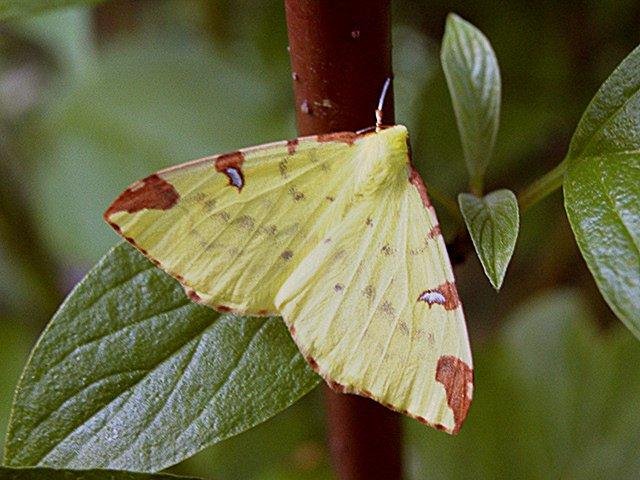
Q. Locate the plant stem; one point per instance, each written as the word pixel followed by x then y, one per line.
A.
pixel 340 57
pixel 476 185
pixel 542 187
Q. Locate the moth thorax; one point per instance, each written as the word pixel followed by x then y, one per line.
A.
pixel 379 167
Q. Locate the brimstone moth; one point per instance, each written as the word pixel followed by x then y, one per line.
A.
pixel 336 234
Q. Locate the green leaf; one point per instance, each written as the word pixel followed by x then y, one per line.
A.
pixel 493 222
pixel 14 8
pixel 611 122
pixel 51 474
pixel 473 76
pixel 131 375
pixel 557 397
pixel 602 199
pixel 602 190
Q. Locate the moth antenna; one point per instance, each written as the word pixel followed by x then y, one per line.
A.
pixel 383 95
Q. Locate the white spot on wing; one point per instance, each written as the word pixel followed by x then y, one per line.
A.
pixel 432 296
pixel 234 176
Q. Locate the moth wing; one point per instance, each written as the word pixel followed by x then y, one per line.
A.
pixel 231 228
pixel 375 310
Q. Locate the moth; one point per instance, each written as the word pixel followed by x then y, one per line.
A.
pixel 334 233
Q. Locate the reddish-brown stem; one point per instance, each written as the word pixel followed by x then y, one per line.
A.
pixel 340 58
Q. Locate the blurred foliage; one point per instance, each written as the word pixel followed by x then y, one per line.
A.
pixel 91 100
pixel 555 398
pixel 11 8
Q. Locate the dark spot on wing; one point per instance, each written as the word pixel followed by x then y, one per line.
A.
pixel 387 308
pixel 404 328
pixel 286 255
pixel 193 296
pixel 445 295
pixel 152 193
pixel 292 329
pixel 231 165
pixel 387 250
pixel 369 291
pixel 223 308
pixel 338 287
pixel 133 242
pixel 336 387
pixel 177 276
pixel 292 145
pixel 312 363
pixel 224 216
pixel 283 168
pixel 369 222
pixel 296 194
pixel 270 230
pixel 457 378
pixel 245 221
pixel 329 198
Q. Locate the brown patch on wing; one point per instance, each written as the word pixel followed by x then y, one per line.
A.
pixel 133 242
pixel 231 162
pixel 435 232
pixel 336 387
pixel 416 180
pixel 447 290
pixel 312 363
pixel 456 376
pixel 292 145
pixel 346 137
pixel 193 296
pixel 153 193
pixel 223 309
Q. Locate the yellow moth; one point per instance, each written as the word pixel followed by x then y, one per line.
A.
pixel 336 234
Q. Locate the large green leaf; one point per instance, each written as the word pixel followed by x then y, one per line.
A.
pixel 473 76
pixel 493 222
pixel 602 189
pixel 556 398
pixel 13 8
pixel 51 474
pixel 132 375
